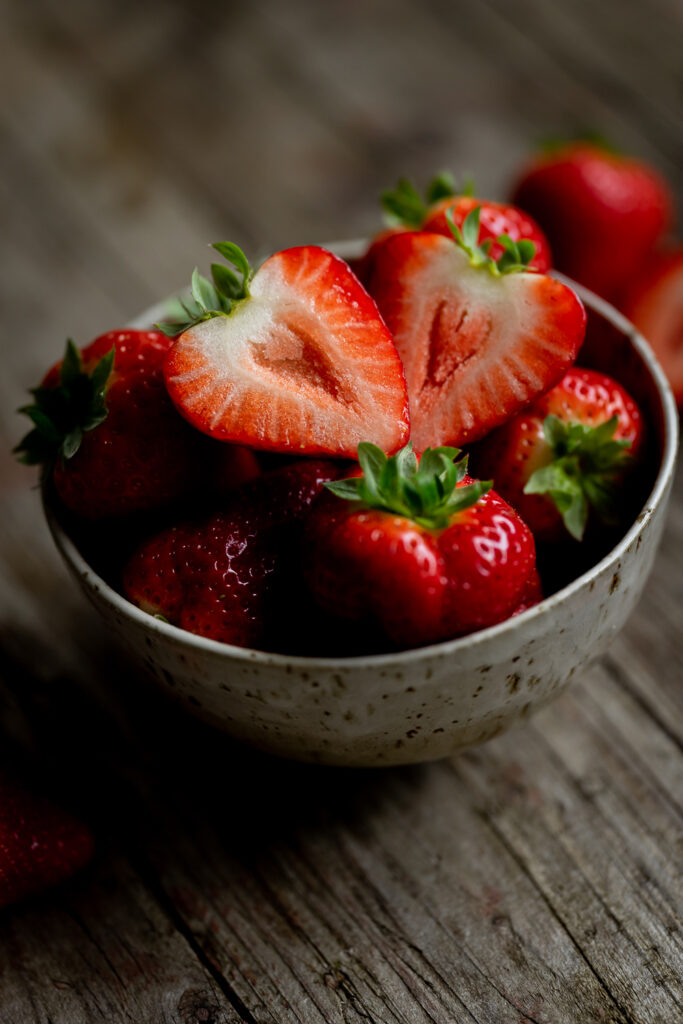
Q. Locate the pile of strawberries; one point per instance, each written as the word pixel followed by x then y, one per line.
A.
pixel 288 456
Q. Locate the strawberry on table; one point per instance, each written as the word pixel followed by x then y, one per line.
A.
pixel 479 338
pixel 567 455
pixel 653 301
pixel 418 548
pixel 218 576
pixel 292 358
pixel 40 844
pixel 602 212
pixel 106 428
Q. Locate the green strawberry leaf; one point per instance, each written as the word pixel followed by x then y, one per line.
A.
pixel 425 492
pixel 585 472
pixel 213 298
pixel 404 206
pixel 61 415
pixel 514 259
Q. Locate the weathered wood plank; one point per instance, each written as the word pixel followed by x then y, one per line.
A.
pixel 101 950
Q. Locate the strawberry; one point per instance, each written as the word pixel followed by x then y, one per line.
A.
pixel 419 548
pixel 495 219
pixel 218 576
pixel 565 454
pixel 40 845
pixel 406 210
pixel 654 303
pixel 293 358
pixel 532 593
pixel 479 338
pixel 104 424
pixel 602 212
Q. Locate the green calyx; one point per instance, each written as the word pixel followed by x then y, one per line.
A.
pixel 514 259
pixel 216 297
pixel 404 206
pixel 425 492
pixel 585 472
pixel 62 415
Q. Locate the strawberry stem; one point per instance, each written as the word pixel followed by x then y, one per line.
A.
pixel 217 297
pixel 424 491
pixel 515 258
pixel 404 206
pixel 585 471
pixel 61 415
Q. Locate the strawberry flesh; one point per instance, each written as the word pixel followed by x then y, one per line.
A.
pixel 475 348
pixel 304 364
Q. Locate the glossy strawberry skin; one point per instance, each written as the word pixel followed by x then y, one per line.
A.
pixel 653 301
pixel 303 365
pixel 40 845
pixel 143 455
pixel 494 219
pixel 601 212
pixel 420 586
pixel 217 576
pixel 511 454
pixel 475 348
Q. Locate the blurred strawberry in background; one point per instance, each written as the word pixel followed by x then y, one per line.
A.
pixel 606 216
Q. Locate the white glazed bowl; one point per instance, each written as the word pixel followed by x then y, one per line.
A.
pixel 431 702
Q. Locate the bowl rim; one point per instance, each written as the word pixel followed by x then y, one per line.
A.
pixel 444 648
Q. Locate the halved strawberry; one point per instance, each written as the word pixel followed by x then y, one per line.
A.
pixel 292 358
pixel 479 338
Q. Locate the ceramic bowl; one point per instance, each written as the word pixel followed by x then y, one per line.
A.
pixel 422 704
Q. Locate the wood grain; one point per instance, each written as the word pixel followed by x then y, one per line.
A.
pixel 536 879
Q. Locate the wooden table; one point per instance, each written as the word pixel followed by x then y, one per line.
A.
pixel 535 879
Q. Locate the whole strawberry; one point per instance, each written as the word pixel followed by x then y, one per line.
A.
pixel 105 426
pixel 220 576
pixel 40 845
pixel 479 337
pixel 567 455
pixel 291 358
pixel 653 301
pixel 602 212
pixel 406 210
pixel 420 549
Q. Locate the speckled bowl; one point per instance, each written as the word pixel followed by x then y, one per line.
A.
pixel 422 704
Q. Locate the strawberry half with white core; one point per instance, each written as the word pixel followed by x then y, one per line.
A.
pixel 292 358
pixel 567 455
pixel 417 547
pixel 479 338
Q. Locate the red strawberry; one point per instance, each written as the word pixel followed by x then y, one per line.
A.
pixel 425 551
pixel 567 452
pixel 217 576
pixel 294 358
pixel 103 420
pixel 406 210
pixel 532 594
pixel 479 339
pixel 40 845
pixel 495 219
pixel 601 211
pixel 653 301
